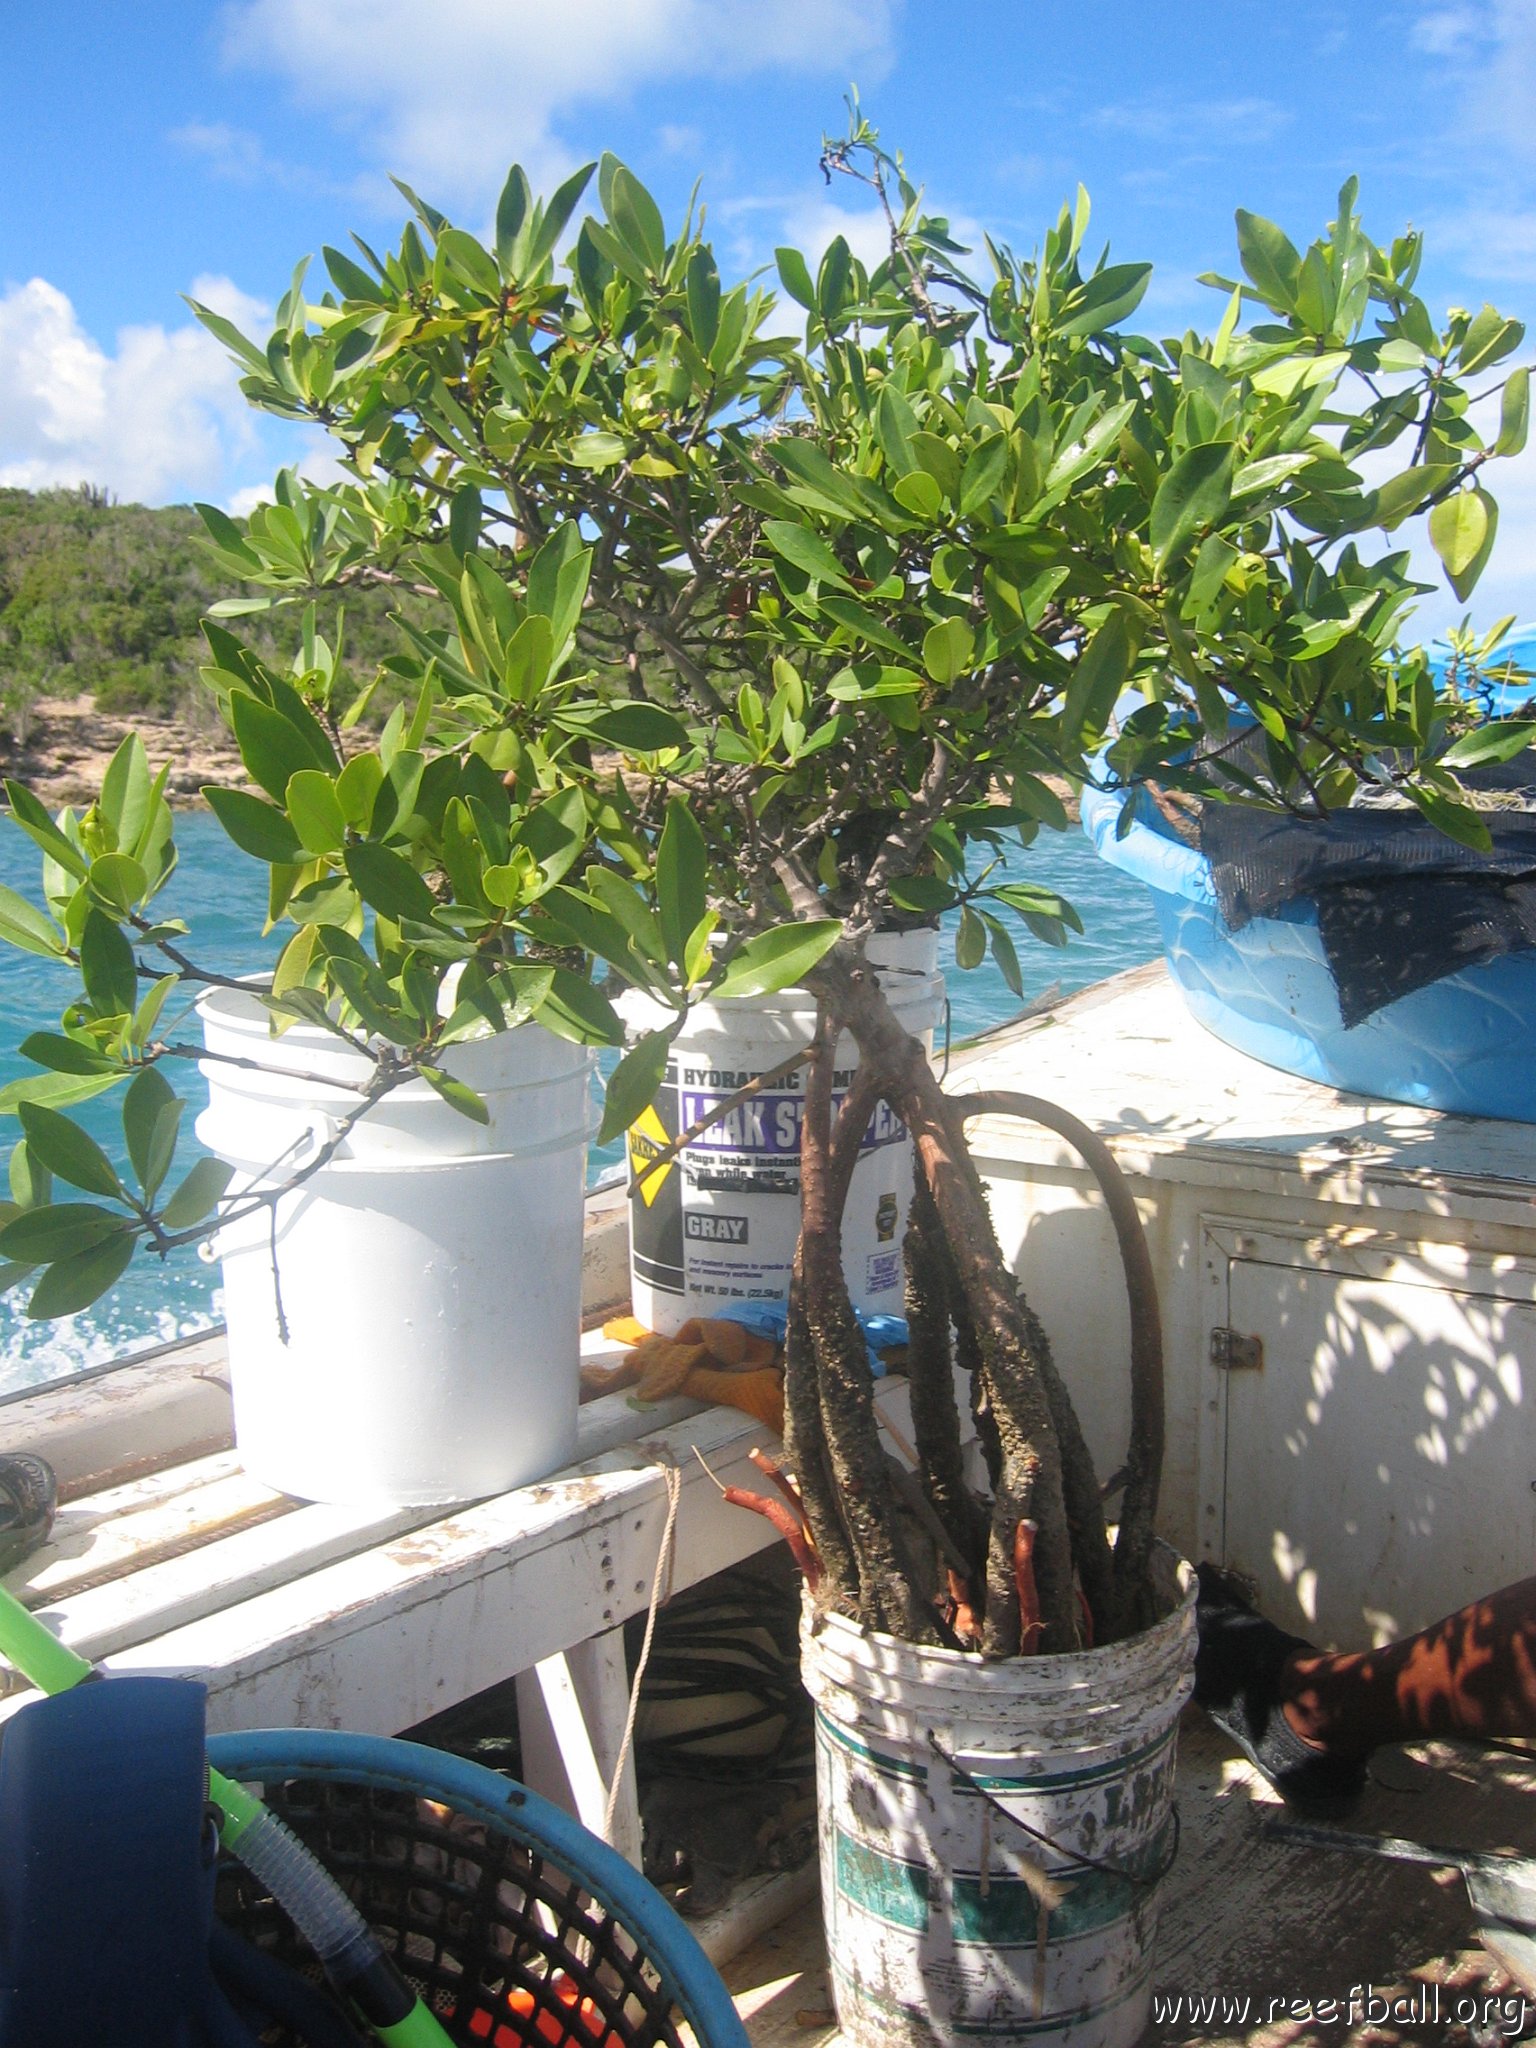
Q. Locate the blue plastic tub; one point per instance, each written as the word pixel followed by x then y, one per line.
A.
pixel 1518 646
pixel 1464 1044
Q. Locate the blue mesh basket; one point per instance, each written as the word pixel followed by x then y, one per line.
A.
pixel 515 1924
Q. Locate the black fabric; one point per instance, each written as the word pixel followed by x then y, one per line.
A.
pixel 1399 904
pixel 1240 1682
pixel 1384 939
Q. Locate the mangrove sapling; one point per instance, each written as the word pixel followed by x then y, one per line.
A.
pixel 732 643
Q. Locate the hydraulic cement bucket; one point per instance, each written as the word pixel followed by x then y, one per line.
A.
pixel 717 1227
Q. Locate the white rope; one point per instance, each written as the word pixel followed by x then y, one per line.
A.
pixel 674 1480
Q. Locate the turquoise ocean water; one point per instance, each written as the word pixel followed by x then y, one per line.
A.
pixel 222 896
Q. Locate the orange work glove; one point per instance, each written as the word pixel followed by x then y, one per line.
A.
pixel 759 1394
pixel 711 1358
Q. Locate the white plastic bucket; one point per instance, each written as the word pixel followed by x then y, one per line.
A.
pixel 428 1277
pixel 932 1935
pixel 718 1227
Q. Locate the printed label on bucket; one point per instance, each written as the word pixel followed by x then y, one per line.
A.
pixel 928 1914
pixel 718 1223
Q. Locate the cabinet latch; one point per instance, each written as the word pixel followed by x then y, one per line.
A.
pixel 1231 1351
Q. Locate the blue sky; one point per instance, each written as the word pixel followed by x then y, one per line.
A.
pixel 154 150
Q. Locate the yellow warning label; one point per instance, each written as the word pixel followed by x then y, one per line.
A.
pixel 648 1138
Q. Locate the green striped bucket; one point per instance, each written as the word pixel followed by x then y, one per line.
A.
pixel 993 1835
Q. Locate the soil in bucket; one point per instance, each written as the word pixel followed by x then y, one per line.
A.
pixel 716 1227
pixel 993 1834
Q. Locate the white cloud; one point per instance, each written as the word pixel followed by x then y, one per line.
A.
pixel 1445 31
pixel 1194 123
pixel 752 228
pixel 233 153
pixel 812 225
pixel 1498 244
pixel 1489 53
pixel 156 417
pixel 238 156
pixel 1485 70
pixel 449 94
pixel 242 502
pixel 222 295
pixel 311 452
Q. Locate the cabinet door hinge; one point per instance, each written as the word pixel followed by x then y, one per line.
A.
pixel 1231 1351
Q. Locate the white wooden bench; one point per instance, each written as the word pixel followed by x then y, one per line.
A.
pixel 301 1615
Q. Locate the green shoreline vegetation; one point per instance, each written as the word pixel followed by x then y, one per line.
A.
pixel 106 599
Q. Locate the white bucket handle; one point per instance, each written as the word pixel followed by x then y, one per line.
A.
pixel 319 1129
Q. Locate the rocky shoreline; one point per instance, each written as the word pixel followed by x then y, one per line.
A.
pixel 69 743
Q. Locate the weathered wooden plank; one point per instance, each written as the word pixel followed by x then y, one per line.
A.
pixel 77 1520
pixel 126 1498
pixel 572 1710
pixel 115 1542
pixel 386 1638
pixel 169 1592
pixel 95 1427
pixel 416 1622
pixel 115 1549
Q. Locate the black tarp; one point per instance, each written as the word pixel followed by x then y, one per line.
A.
pixel 1399 904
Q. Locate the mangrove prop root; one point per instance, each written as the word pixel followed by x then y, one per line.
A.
pixel 887 1592
pixel 788 1524
pixel 930 1380
pixel 804 1434
pixel 783 1517
pixel 999 1607
pixel 780 1478
pixel 1031 1474
pixel 910 1487
pixel 1025 1589
pixel 1041 1470
pixel 859 1105
pixel 1079 1486
pixel 805 1447
pixel 968 1358
pixel 962 1617
pixel 1144 1462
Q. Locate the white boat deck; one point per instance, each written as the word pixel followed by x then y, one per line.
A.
pixel 1127 1058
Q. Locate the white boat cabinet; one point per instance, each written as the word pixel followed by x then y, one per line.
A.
pixel 1348 1294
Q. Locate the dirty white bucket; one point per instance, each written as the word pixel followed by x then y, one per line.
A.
pixel 718 1226
pixel 409 1331
pixel 922 1756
